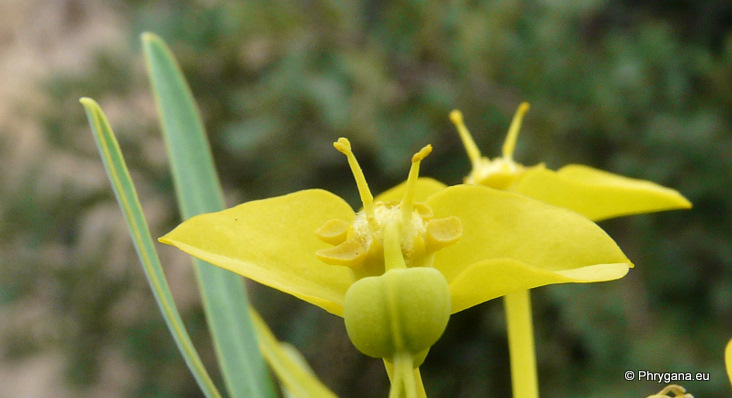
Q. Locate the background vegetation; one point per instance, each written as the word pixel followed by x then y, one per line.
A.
pixel 642 88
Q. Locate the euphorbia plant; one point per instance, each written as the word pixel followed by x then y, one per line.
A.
pixel 394 270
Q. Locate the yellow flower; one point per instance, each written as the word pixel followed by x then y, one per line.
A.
pixel 594 193
pixel 415 254
pixel 508 242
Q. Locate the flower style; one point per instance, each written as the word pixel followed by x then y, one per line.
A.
pixel 597 194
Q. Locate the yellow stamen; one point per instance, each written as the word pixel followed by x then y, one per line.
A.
pixel 513 131
pixel 408 200
pixel 344 146
pixel 473 152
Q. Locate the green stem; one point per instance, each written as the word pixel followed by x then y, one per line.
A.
pixel 521 345
pixel 415 373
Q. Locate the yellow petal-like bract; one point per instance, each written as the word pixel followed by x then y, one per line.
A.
pixel 597 194
pixel 511 242
pixel 273 242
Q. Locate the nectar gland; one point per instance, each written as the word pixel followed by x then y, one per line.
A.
pixel 501 172
pixel 386 235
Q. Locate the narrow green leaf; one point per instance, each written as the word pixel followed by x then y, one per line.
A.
pixel 291 368
pixel 199 191
pixel 128 201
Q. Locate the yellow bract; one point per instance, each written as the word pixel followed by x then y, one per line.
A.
pixel 273 242
pixel 512 243
pixel 597 194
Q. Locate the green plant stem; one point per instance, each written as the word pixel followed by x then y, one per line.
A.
pixel 421 393
pixel 524 379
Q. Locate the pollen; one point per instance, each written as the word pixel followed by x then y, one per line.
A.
pixel 386 213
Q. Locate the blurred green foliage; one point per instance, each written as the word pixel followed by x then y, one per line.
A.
pixel 640 88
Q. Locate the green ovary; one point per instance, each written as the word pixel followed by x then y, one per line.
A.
pixel 401 311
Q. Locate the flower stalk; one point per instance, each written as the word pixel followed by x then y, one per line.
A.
pixel 524 379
